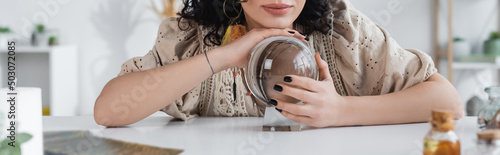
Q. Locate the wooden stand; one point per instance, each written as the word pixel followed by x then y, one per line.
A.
pixel 437 55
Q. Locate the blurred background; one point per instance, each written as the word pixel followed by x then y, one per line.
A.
pixel 71 49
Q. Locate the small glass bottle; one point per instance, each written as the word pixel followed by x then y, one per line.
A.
pixel 442 139
pixel 487 115
pixel 488 143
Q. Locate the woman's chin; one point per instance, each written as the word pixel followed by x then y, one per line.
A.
pixel 278 26
pixel 278 23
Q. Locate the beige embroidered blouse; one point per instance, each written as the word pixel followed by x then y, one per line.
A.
pixel 363 60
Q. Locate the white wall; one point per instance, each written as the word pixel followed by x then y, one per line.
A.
pixel 108 32
pixel 408 21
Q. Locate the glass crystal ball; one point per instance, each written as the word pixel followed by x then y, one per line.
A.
pixel 273 59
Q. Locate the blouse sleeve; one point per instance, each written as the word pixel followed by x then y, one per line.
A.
pixel 369 60
pixel 172 45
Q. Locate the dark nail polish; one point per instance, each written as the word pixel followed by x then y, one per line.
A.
pixel 288 79
pixel 278 88
pixel 307 39
pixel 279 110
pixel 292 32
pixel 303 34
pixel 273 102
pixel 321 56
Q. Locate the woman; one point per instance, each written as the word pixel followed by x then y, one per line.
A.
pixel 366 78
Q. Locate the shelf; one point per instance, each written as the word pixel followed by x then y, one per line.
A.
pixel 474 65
pixel 30 49
pixel 62 68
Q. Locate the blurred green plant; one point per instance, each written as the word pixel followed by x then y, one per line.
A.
pixel 53 40
pixel 4 30
pixel 457 39
pixel 494 35
pixel 7 149
pixel 39 28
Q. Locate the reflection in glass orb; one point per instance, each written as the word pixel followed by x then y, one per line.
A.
pixel 272 60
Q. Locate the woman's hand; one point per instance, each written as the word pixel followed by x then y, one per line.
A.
pixel 322 104
pixel 238 51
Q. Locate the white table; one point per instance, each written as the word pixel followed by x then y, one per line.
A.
pixel 244 136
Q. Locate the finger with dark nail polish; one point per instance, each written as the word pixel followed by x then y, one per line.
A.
pixel 307 39
pixel 288 79
pixel 273 102
pixel 278 88
pixel 291 32
pixel 279 110
pixel 303 34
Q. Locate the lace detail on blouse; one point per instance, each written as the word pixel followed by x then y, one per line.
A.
pixel 224 98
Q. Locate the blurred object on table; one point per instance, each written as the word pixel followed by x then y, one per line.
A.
pixel 487 116
pixel 70 142
pixel 488 143
pixel 442 139
pixel 474 105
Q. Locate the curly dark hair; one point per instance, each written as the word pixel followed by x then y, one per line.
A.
pixel 209 13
